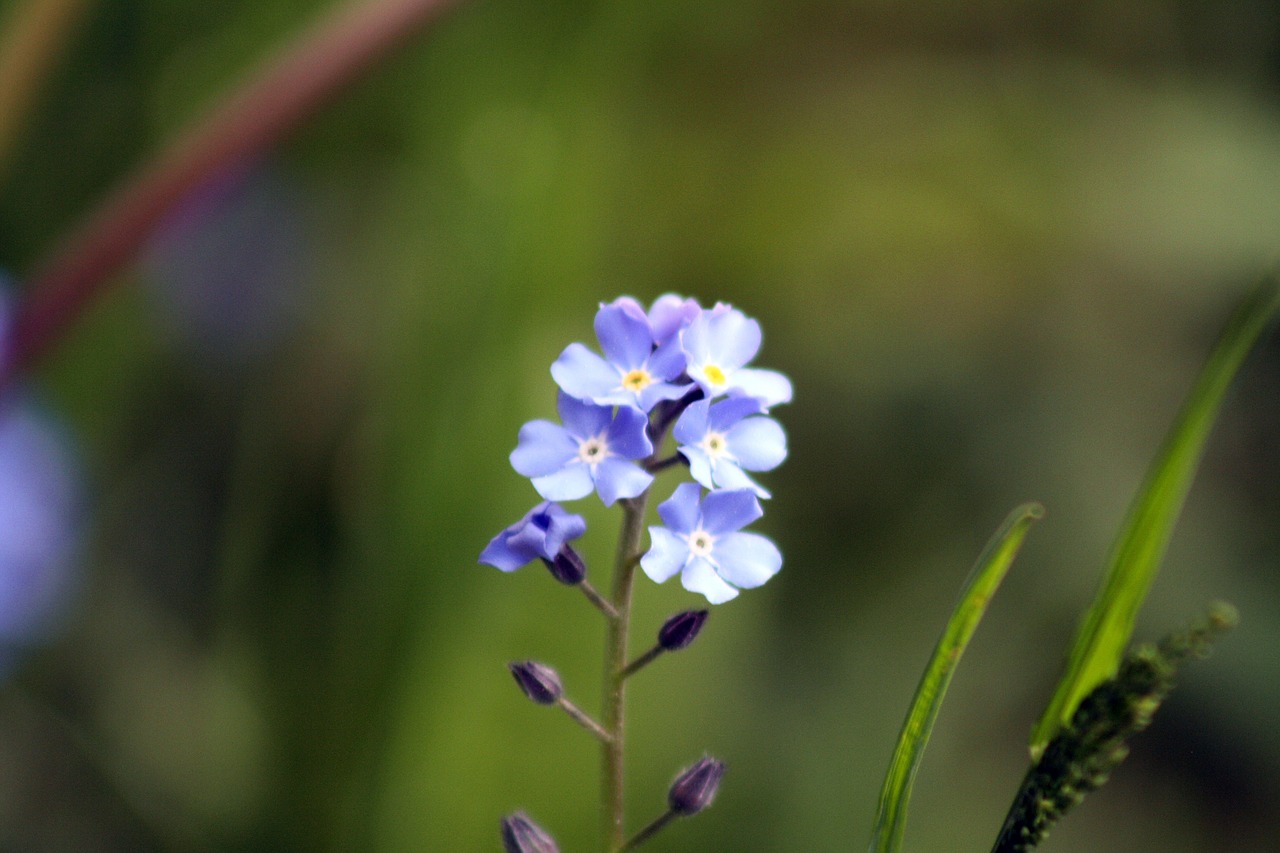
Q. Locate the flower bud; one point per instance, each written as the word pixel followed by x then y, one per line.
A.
pixel 521 835
pixel 538 681
pixel 695 787
pixel 568 567
pixel 681 630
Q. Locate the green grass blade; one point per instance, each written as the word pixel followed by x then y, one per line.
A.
pixel 1107 626
pixel 988 572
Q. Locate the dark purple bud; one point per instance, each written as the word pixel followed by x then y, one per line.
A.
pixel 695 787
pixel 521 835
pixel 568 567
pixel 538 681
pixel 681 630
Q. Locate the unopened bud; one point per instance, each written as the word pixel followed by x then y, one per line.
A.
pixel 681 630
pixel 568 567
pixel 538 681
pixel 695 787
pixel 521 835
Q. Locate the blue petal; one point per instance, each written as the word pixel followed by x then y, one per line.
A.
pixel 565 526
pixel 528 539
pixel 680 511
pixel 626 340
pixel 500 555
pixel 631 306
pixel 726 413
pixel 582 374
pixel 567 484
pixel 543 447
pixel 768 386
pixel 730 476
pixel 618 479
pixel 696 341
pixel 699 577
pixel 544 531
pixel 734 339
pixel 758 444
pixel 667 554
pixel 727 511
pixel 582 419
pixel 667 361
pixel 693 424
pixel 747 560
pixel 699 465
pixel 628 436
pixel 659 391
pixel 669 313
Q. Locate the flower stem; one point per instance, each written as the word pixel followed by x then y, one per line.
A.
pixel 654 466
pixel 642 661
pixel 583 719
pixel 650 831
pixel 601 603
pixel 303 77
pixel 615 658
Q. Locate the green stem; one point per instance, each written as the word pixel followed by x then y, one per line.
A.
pixel 615 659
pixel 581 717
pixel 642 661
pixel 651 830
pixel 600 602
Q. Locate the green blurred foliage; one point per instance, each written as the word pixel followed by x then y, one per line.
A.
pixel 991 243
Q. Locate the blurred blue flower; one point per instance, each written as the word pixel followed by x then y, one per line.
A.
pixel 634 372
pixel 40 501
pixel 701 540
pixel 591 451
pixel 542 532
pixel 718 344
pixel 723 440
pixel 230 263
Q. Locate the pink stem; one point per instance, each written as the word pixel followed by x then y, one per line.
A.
pixel 247 122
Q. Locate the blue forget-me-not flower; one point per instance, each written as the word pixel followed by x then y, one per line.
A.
pixel 592 451
pixel 541 534
pixel 702 541
pixel 718 344
pixel 724 439
pixel 635 370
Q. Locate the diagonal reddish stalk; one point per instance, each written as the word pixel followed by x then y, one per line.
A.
pixel 251 119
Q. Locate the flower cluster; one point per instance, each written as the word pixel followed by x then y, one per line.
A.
pixel 676 367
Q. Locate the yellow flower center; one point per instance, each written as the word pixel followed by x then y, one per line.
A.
pixel 714 374
pixel 637 380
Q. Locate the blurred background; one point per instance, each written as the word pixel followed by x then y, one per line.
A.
pixel 991 242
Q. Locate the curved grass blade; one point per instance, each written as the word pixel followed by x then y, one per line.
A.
pixel 1107 626
pixel 988 572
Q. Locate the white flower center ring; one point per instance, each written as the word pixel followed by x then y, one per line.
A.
pixel 701 544
pixel 592 451
pixel 715 444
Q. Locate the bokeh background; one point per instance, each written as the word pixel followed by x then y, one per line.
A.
pixel 991 242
